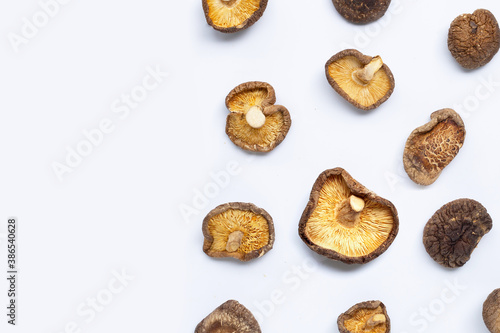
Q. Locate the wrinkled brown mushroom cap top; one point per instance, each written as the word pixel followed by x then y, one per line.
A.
pixel 228 318
pixel 431 147
pixel 365 317
pixel 250 96
pixel 233 15
pixel 332 227
pixel 473 39
pixel 454 231
pixel 340 70
pixel 238 230
pixel 491 311
pixel 361 11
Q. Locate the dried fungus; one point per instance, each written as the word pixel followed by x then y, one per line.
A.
pixel 431 147
pixel 361 11
pixel 365 317
pixel 491 311
pixel 233 15
pixel 230 317
pixel 474 39
pixel 254 122
pixel 364 81
pixel 345 221
pixel 238 230
pixel 454 231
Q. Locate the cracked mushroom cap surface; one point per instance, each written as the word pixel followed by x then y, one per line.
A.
pixel 454 231
pixel 364 81
pixel 238 230
pixel 431 147
pixel 254 122
pixel 228 318
pixel 345 221
pixel 233 15
pixel 474 39
pixel 365 317
pixel 491 311
pixel 361 11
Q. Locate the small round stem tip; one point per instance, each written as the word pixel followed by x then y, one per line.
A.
pixel 365 74
pixel 255 117
pixel 357 204
pixel 375 320
pixel 234 241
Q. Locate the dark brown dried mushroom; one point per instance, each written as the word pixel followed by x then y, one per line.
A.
pixel 228 318
pixel 431 147
pixel 370 316
pixel 345 221
pixel 239 230
pixel 254 122
pixel 233 15
pixel 454 231
pixel 363 81
pixel 473 39
pixel 491 311
pixel 361 11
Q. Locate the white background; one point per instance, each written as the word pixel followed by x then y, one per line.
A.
pixel 120 209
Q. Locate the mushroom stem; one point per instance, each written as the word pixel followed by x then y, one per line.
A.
pixel 357 204
pixel 349 210
pixel 375 320
pixel 255 117
pixel 234 241
pixel 365 74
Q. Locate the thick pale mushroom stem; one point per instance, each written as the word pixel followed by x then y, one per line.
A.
pixel 234 241
pixel 255 117
pixel 375 320
pixel 357 204
pixel 365 74
pixel 349 210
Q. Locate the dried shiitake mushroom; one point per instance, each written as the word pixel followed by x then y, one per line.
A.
pixel 431 147
pixel 370 316
pixel 491 311
pixel 473 39
pixel 454 231
pixel 363 81
pixel 233 15
pixel 345 221
pixel 254 122
pixel 361 11
pixel 239 230
pixel 228 318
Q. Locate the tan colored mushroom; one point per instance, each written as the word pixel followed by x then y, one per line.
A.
pixel 345 221
pixel 361 11
pixel 238 230
pixel 474 39
pixel 363 81
pixel 431 147
pixel 254 122
pixel 491 311
pixel 233 15
pixel 230 317
pixel 365 317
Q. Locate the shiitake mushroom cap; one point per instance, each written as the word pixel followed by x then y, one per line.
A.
pixel 345 221
pixel 431 147
pixel 361 11
pixel 230 16
pixel 239 230
pixel 474 39
pixel 260 97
